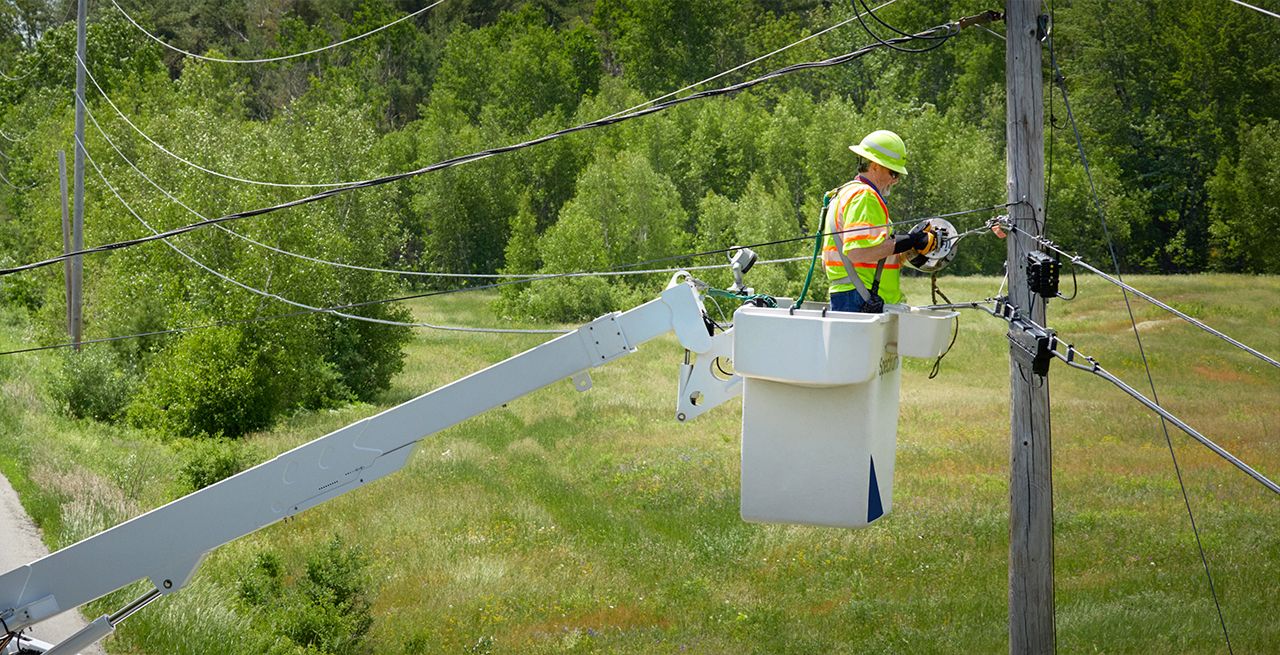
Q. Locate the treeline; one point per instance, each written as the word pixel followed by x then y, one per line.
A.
pixel 1178 103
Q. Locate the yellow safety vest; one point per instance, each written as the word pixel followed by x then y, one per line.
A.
pixel 858 208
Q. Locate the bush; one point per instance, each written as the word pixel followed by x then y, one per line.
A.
pixel 92 384
pixel 207 384
pixel 326 610
pixel 211 460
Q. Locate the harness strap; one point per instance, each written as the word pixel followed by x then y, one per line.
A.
pixel 851 273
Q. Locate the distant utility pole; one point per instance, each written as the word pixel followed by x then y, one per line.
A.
pixel 77 228
pixel 1031 603
pixel 66 244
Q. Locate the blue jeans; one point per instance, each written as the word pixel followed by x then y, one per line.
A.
pixel 846 301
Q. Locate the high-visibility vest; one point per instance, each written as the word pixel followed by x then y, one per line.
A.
pixel 860 218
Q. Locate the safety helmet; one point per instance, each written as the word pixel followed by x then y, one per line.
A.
pixel 885 148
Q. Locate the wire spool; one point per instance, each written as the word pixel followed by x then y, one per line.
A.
pixel 944 252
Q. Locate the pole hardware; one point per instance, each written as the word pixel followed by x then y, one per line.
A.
pixel 1042 273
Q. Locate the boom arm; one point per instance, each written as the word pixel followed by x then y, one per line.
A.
pixel 166 544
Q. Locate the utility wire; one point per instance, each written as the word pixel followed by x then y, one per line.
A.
pixel 1257 9
pixel 267 294
pixel 1077 260
pixel 369 269
pixel 463 159
pixel 329 185
pixel 188 162
pixel 1094 367
pixel 626 268
pixel 13 186
pixel 748 63
pixel 265 60
pixel 1154 403
pixel 8 138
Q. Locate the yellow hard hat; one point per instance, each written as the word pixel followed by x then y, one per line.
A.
pixel 885 148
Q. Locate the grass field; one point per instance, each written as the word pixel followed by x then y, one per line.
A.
pixel 594 522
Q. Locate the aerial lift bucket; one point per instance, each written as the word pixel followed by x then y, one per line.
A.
pixel 820 408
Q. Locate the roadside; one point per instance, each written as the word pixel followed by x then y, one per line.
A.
pixel 19 544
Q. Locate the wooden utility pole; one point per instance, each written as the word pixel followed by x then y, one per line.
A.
pixel 66 244
pixel 77 226
pixel 1031 603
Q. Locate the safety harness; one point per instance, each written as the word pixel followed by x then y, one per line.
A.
pixel 872 303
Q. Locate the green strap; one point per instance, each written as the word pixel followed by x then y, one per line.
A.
pixel 817 249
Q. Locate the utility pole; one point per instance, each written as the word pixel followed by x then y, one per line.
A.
pixel 77 227
pixel 1031 602
pixel 66 242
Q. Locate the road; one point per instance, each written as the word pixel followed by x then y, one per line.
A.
pixel 19 544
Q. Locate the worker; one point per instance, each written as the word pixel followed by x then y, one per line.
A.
pixel 859 234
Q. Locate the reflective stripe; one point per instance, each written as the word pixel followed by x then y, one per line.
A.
pixel 882 150
pixel 887 266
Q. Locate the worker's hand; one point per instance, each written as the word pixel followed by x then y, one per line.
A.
pixel 925 241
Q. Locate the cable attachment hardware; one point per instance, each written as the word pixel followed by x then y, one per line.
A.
pixel 946 236
pixel 1036 342
pixel 1042 273
pixel 741 260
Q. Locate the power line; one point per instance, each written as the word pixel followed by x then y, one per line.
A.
pixel 120 153
pixel 273 296
pixel 265 60
pixel 748 63
pixel 1061 82
pixel 329 185
pixel 188 162
pixel 463 159
pixel 13 186
pixel 1257 9
pixel 1077 260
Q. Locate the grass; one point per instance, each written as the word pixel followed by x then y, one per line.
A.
pixel 569 522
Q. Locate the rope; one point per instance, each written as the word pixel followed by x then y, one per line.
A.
pixel 265 60
pixel 817 249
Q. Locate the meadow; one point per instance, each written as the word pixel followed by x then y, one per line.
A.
pixel 595 523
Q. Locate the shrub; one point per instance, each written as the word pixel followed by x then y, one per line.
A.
pixel 92 384
pixel 211 460
pixel 326 610
pixel 208 383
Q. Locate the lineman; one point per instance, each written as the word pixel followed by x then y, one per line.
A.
pixel 859 234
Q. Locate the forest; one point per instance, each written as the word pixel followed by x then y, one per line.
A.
pixel 1177 103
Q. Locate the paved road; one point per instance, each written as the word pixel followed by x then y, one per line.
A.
pixel 19 544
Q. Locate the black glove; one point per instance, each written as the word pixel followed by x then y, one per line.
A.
pixel 922 241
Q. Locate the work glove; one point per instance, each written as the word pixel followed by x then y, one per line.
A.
pixel 922 241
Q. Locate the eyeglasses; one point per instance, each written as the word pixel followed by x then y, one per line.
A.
pixel 893 174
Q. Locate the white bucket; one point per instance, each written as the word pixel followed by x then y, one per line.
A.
pixel 820 409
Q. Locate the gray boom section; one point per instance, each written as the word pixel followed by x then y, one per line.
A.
pixel 166 544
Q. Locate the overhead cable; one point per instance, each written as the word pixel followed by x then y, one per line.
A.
pixel 370 269
pixel 1257 9
pixel 203 169
pixel 753 61
pixel 287 301
pixel 265 60
pixel 328 185
pixel 940 38
pixel 1072 357
pixel 463 159
pixel 1061 82
pixel 1077 260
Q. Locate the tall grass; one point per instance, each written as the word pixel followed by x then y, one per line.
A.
pixel 569 522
